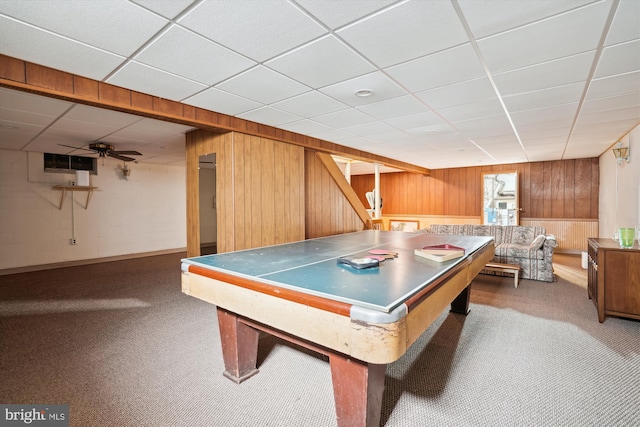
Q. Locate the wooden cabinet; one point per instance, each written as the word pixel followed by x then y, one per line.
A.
pixel 614 278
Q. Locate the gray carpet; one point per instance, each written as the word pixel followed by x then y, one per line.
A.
pixel 122 346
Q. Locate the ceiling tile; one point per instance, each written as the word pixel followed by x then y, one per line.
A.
pixel 77 131
pixel 436 134
pixel 611 103
pixel 310 104
pixel 418 123
pixel 490 17
pixel 536 116
pixel 560 72
pixel 335 135
pixel 567 34
pixel 118 26
pixel 545 97
pixel 395 107
pixel 484 127
pixel 26 102
pixel 222 102
pixel 584 151
pixel 381 86
pixel 167 8
pixel 158 128
pixel 305 127
pixel 619 59
pixel 440 69
pixel 344 118
pixel 407 31
pixel 263 85
pixel 41 47
pixel 189 55
pixel 625 23
pixel 269 116
pixel 515 155
pixel 113 119
pixel 255 28
pixel 15 135
pixel 613 115
pixel 50 142
pixel 315 64
pixel 605 133
pixel 388 137
pixel 349 10
pixel 472 110
pixel 615 85
pixel 537 136
pixel 458 93
pixel 508 140
pixel 152 81
pixel 370 129
pixel 15 118
pixel 545 152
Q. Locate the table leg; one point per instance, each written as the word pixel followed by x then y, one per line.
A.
pixel 357 389
pixel 461 303
pixel 239 347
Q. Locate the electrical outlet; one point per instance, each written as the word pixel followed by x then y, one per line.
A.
pixel 74 242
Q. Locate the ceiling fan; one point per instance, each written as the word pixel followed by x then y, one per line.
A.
pixel 108 150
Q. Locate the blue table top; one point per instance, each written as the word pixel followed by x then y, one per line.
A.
pixel 310 266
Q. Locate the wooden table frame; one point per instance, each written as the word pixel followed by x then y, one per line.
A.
pixel 358 374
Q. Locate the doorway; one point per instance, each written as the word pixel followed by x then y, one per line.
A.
pixel 500 198
pixel 208 209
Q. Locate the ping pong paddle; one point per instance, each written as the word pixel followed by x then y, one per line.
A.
pixel 384 253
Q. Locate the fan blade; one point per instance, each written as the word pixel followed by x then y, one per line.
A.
pixel 128 153
pixel 115 155
pixel 77 148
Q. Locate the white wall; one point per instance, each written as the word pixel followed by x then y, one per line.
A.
pixel 144 213
pixel 627 211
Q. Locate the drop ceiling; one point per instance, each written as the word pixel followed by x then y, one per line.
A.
pixel 452 83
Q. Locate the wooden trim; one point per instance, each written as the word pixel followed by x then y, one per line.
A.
pixel 324 304
pixel 37 79
pixel 344 186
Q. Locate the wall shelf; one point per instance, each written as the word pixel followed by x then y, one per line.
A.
pixel 64 188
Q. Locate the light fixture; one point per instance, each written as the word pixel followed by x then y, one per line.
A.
pixel 621 153
pixel 363 93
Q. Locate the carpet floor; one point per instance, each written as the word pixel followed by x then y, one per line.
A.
pixel 121 345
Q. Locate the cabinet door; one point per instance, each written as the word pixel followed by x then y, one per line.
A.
pixel 622 282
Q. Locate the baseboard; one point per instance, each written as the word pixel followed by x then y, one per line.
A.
pixel 568 251
pixel 40 267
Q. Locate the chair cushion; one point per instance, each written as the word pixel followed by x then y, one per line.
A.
pixel 515 250
pixel 537 242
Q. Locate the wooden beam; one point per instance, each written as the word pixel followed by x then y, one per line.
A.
pixel 37 79
pixel 344 186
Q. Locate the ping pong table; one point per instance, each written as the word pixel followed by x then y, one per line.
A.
pixel 361 319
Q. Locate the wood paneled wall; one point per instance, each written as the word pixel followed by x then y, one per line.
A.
pixel 260 190
pixel 554 189
pixel 328 211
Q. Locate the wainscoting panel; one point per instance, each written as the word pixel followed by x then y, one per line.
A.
pixel 571 234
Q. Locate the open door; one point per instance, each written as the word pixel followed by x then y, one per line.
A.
pixel 500 198
pixel 208 209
